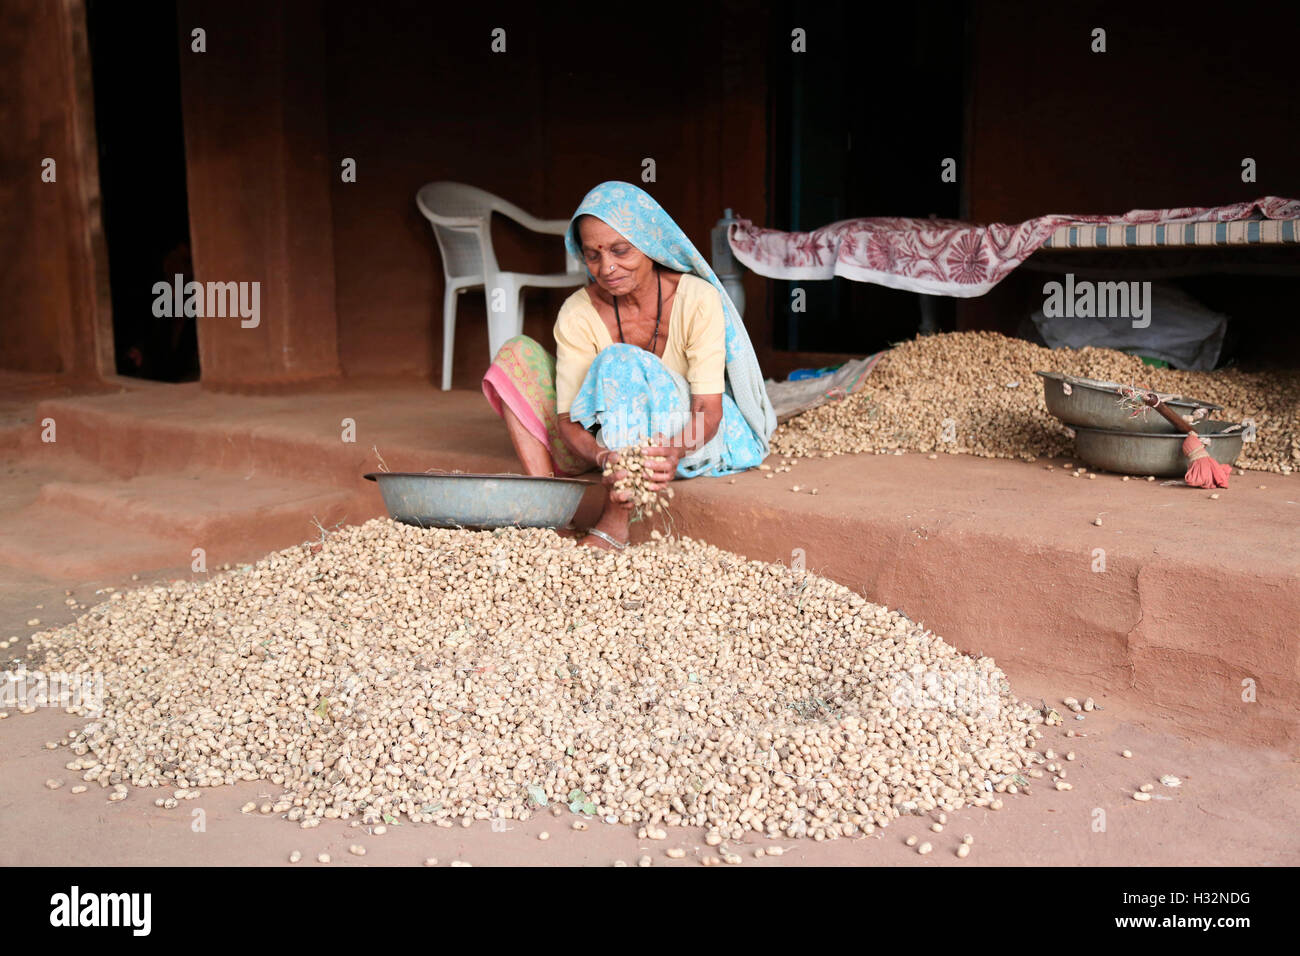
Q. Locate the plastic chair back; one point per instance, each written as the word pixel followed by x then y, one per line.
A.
pixel 466 247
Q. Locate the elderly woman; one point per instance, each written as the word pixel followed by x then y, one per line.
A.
pixel 651 349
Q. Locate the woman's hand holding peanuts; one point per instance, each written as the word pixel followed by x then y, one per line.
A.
pixel 661 463
pixel 622 497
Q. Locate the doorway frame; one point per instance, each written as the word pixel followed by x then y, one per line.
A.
pixel 91 244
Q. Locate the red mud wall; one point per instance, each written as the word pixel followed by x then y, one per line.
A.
pixel 420 96
pixel 46 281
pixel 1163 118
pixel 352 280
pixel 350 277
pixel 258 173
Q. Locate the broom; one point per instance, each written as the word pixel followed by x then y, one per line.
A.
pixel 1202 471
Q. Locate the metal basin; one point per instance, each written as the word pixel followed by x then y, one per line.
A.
pixel 1095 404
pixel 1153 453
pixel 440 500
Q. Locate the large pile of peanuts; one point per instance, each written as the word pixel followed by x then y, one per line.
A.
pixel 441 675
pixel 976 393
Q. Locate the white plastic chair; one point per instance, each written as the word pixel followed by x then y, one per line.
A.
pixel 461 218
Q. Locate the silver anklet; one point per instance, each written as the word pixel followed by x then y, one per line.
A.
pixel 618 545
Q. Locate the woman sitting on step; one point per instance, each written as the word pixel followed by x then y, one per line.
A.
pixel 652 348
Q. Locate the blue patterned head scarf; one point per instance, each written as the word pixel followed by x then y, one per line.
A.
pixel 633 213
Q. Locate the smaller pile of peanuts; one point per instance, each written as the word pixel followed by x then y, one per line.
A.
pixel 975 393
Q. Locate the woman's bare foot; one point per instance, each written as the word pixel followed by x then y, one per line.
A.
pixel 590 508
pixel 613 522
pixel 596 541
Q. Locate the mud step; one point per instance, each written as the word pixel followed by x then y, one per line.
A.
pixel 207 509
pixel 326 438
pixel 62 545
pixel 81 530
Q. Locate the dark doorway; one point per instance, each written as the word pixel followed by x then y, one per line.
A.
pixel 860 126
pixel 135 70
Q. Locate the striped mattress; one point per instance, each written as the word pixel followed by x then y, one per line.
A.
pixel 1150 235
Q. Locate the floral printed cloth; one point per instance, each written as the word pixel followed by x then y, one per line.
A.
pixel 942 256
pixel 632 395
pixel 634 214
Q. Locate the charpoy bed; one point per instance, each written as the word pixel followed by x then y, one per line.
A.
pixel 961 259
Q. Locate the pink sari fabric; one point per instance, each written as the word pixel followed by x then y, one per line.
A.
pixel 522 378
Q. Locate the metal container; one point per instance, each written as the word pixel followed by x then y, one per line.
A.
pixel 1154 453
pixel 1096 404
pixel 443 500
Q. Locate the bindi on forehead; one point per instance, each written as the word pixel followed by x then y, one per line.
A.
pixel 607 236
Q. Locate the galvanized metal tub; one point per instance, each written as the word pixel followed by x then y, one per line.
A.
pixel 1154 453
pixel 1096 404
pixel 453 500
